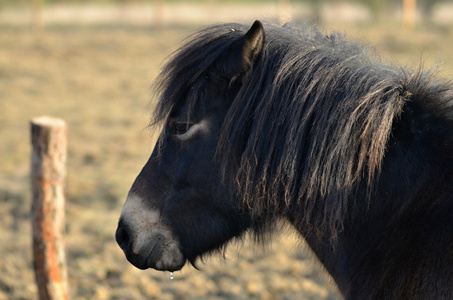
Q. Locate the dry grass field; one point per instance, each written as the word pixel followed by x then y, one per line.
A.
pixel 98 78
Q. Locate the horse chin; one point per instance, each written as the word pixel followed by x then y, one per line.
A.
pixel 164 255
pixel 169 259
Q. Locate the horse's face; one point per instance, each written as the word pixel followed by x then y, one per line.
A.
pixel 178 207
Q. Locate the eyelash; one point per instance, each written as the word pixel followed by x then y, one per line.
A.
pixel 180 128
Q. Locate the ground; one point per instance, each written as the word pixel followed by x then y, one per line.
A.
pixel 98 78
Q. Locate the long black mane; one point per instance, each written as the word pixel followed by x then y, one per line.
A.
pixel 310 124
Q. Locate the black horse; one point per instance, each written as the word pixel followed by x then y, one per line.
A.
pixel 303 127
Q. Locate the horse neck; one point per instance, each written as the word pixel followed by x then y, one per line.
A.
pixel 341 254
pixel 408 179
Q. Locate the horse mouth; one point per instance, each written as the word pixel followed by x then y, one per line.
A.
pixel 146 241
pixel 159 258
pixel 165 255
pixel 156 250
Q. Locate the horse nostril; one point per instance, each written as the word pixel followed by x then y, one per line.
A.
pixel 122 236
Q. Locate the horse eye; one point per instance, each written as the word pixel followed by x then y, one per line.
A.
pixel 180 128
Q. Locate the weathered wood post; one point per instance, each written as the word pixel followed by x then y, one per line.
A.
pixel 409 14
pixel 284 11
pixel 159 13
pixel 36 16
pixel 48 172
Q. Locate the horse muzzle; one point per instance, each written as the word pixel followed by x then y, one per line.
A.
pixel 145 240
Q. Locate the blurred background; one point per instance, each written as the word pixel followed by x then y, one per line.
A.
pixel 92 63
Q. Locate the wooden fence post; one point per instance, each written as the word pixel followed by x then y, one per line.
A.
pixel 48 172
pixel 36 16
pixel 159 13
pixel 284 11
pixel 409 14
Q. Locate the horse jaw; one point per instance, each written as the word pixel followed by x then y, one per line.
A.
pixel 146 241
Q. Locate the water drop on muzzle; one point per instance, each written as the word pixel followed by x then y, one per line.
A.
pixel 171 276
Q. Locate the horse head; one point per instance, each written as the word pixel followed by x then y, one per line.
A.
pixel 179 207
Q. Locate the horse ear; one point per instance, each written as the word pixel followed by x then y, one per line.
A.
pixel 244 52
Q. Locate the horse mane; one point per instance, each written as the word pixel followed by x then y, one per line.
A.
pixel 310 124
